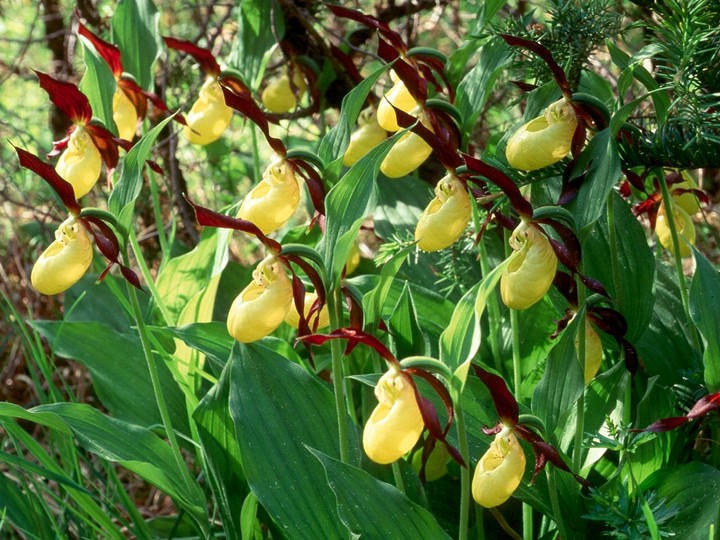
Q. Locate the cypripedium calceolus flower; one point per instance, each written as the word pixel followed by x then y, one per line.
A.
pixel 396 423
pixel 593 351
pixel 407 154
pixel 397 96
pixel 261 306
pixel 687 201
pixel 499 471
pixel 532 269
pixel 280 96
pixel 125 115
pixel 209 116
pixel 323 317
pixel 80 162
pixel 368 135
pixel 544 140
pixel 66 260
pixel 271 203
pixel 446 217
pixel 683 224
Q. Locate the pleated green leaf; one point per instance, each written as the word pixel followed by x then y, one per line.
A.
pixel 704 311
pixel 98 84
pixel 135 32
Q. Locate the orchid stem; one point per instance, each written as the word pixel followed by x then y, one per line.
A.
pixel 397 475
pixel 505 525
pixel 336 352
pixel 493 312
pixel 464 473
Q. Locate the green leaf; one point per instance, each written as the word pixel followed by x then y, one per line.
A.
pixel 405 332
pixel 211 338
pixel 382 511
pixel 628 270
pixel 278 409
pixel 374 300
pixel 148 455
pixel 704 302
pixel 119 372
pixel 135 32
pixel 257 31
pixel 98 84
pixel 127 189
pixel 23 510
pixel 600 162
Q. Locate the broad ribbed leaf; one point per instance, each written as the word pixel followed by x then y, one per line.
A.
pixel 370 508
pixel 255 36
pixel 279 410
pixel 135 31
pixel 704 302
pixel 374 300
pixel 98 84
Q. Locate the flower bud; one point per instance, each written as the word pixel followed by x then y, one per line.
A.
pixel 125 115
pixel 279 95
pixel 396 424
pixel 80 162
pixel 209 116
pixel 363 139
pixel 499 471
pixel 322 317
pixel 593 351
pixel 400 97
pixel 407 154
pixel 544 140
pixel 446 217
pixel 274 200
pixel 260 308
pixel 684 226
pixel 687 201
pixel 532 269
pixel 66 260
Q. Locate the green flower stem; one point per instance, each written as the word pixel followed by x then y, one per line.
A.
pixel 667 202
pixel 147 277
pixel 505 525
pixel 555 502
pixel 580 423
pixel 493 311
pixel 464 473
pixel 157 213
pixel 155 381
pixel 334 304
pixel 397 475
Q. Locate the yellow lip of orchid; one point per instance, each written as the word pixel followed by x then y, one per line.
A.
pixel 687 201
pixel 684 226
pixel 593 351
pixel 271 203
pixel 279 95
pixel 499 472
pixel 396 423
pixel 262 306
pixel 544 140
pixel 532 269
pixel 407 154
pixel 209 116
pixel 368 135
pixel 446 217
pixel 80 162
pixel 65 261
pixel 322 317
pixel 400 97
pixel 124 115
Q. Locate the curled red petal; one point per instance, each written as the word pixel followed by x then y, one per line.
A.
pixel 505 403
pixel 545 54
pixel 503 181
pixel 371 22
pixel 109 52
pixel 66 97
pixel 354 337
pixel 48 173
pixel 204 57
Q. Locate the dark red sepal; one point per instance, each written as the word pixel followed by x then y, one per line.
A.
pixel 109 52
pixel 702 407
pixel 542 52
pixel 107 145
pixel 347 63
pixel 567 251
pixel 354 337
pixel 355 310
pixel 443 140
pixel 62 187
pixel 204 57
pixel 503 181
pixel 209 218
pixel 67 98
pixel 505 403
pixel 314 182
pixel 245 105
pixel 371 22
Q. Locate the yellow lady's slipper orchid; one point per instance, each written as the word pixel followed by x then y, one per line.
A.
pixel 209 116
pixel 260 308
pixel 593 351
pixel 125 115
pixel 684 226
pixel 80 162
pixel 274 200
pixel 499 471
pixel 396 424
pixel 66 260
pixel 353 260
pixel 446 217
pixel 687 201
pixel 532 269
pixel 368 135
pixel 279 95
pixel 544 140
pixel 400 97
pixel 323 317
pixel 407 154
